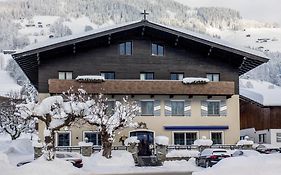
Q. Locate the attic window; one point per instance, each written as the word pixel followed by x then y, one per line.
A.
pixel 157 50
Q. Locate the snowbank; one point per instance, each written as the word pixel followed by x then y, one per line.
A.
pixel 8 84
pixel 183 153
pixel 162 140
pixel 131 140
pixel 90 78
pixel 192 80
pixel 85 144
pixel 244 142
pixel 19 146
pixel 262 92
pixel 257 165
pixel 203 142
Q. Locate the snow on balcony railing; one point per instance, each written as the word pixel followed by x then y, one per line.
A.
pixel 194 80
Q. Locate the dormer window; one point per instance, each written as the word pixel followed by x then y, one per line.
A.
pixel 126 48
pixel 157 49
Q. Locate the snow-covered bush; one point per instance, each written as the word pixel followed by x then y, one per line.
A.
pixel 203 142
pixel 131 140
pixel 162 140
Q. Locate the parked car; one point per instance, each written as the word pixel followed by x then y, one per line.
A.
pixel 267 149
pixel 72 157
pixel 209 157
pixel 245 153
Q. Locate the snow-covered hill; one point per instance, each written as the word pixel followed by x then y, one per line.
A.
pixel 8 84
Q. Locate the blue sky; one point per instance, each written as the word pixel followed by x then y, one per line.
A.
pixel 261 10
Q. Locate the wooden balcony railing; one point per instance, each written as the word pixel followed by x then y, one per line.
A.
pixel 147 87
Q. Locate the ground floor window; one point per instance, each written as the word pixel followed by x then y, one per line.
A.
pixel 216 137
pixel 93 137
pixel 262 138
pixel 184 138
pixel 63 138
pixel 278 137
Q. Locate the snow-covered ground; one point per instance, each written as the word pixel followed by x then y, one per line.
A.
pixel 8 84
pixel 263 39
pixel 122 162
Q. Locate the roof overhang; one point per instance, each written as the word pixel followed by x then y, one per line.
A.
pixel 29 57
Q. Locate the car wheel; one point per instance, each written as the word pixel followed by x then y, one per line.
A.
pixel 207 164
pixel 197 162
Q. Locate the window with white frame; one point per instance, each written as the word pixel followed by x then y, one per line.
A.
pixel 217 137
pixel 126 48
pixel 147 108
pixel 177 107
pixel 93 137
pixel 147 76
pixel 213 108
pixel 63 138
pixel 213 77
pixel 157 49
pixel 108 75
pixel 184 138
pixel 177 76
pixel 65 75
pixel 278 137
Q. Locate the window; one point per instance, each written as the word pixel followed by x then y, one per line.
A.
pixel 216 137
pixel 157 49
pixel 179 139
pixel 177 76
pixel 125 48
pixel 213 77
pixel 63 138
pixel 278 137
pixel 108 75
pixel 110 107
pixel 93 137
pixel 177 108
pixel 65 75
pixel 147 76
pixel 185 138
pixel 213 108
pixel 262 138
pixel 147 108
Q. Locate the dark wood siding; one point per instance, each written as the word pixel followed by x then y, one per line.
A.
pixel 260 118
pixel 103 57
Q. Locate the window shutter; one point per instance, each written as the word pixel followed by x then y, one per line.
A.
pixel 204 108
pixel 168 108
pixel 223 108
pixel 187 108
pixel 139 106
pixel 157 108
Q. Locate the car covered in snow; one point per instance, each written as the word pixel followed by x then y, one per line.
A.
pixel 209 157
pixel 267 149
pixel 72 157
pixel 245 153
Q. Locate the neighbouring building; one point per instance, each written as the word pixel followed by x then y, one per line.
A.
pixel 260 111
pixel 147 61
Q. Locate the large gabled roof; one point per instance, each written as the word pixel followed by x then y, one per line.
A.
pixel 252 58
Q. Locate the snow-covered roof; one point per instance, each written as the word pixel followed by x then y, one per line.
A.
pixel 261 92
pixel 192 35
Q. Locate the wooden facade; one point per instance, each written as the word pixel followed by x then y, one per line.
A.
pixel 187 53
pixel 253 115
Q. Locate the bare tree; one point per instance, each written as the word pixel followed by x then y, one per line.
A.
pixel 109 120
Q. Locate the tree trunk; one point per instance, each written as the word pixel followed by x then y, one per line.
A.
pixel 106 143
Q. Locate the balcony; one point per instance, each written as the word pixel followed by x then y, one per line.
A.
pixel 147 87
